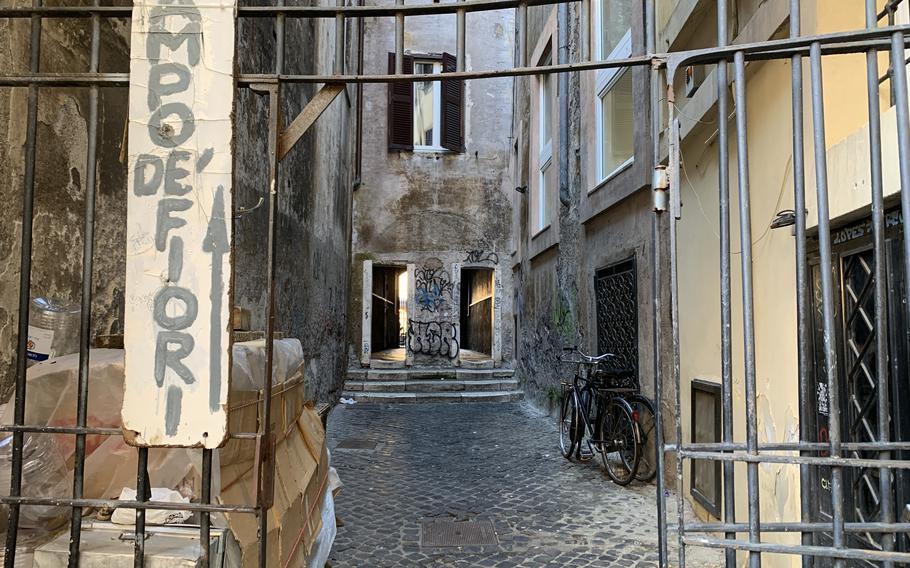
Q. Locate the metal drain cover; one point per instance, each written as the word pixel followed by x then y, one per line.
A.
pixel 438 533
pixel 352 444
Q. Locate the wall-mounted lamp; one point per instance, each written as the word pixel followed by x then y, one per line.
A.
pixel 522 189
pixel 785 218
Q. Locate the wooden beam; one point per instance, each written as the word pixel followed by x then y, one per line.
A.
pixel 307 117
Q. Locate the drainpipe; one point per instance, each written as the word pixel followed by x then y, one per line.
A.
pixel 562 32
pixel 358 149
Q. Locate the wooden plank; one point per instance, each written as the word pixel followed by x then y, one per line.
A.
pixel 307 117
pixel 178 262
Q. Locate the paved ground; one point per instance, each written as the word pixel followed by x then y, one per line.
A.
pixel 495 462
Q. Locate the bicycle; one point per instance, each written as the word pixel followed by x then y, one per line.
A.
pixel 613 433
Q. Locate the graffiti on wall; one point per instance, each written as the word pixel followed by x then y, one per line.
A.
pixel 475 256
pixel 433 288
pixel 439 338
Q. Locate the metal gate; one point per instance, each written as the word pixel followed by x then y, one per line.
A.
pixel 836 453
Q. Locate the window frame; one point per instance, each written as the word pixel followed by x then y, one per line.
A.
pixel 605 80
pixel 436 146
pixel 544 149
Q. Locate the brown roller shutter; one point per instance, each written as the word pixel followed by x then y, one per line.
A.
pixel 401 108
pixel 452 112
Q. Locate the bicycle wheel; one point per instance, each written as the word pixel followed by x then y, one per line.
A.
pixel 619 434
pixel 643 414
pixel 568 425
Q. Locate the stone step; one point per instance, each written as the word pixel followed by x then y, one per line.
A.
pixel 484 364
pixel 381 364
pixel 444 385
pixel 425 397
pixel 424 374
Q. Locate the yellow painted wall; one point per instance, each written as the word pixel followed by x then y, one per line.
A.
pixel 771 177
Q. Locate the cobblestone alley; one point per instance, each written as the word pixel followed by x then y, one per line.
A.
pixel 407 465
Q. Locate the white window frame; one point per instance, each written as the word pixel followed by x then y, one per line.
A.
pixel 436 146
pixel 606 80
pixel 545 152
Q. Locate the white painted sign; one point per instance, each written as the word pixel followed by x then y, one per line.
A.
pixel 179 223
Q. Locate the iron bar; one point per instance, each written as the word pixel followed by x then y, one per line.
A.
pixel 143 493
pixel 399 39
pixel 821 551
pixel 795 527
pixel 460 18
pixel 795 460
pixel 266 455
pixel 745 238
pixel 204 516
pixel 675 190
pixel 522 26
pixel 25 274
pixel 656 287
pixel 390 10
pixel 124 504
pixel 830 349
pixel 85 324
pixel 726 294
pixel 903 145
pixel 886 502
pixel 802 274
pixel 812 447
pixel 339 39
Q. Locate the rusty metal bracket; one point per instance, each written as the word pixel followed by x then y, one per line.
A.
pixel 307 117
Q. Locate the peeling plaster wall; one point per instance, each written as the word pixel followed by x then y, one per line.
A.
pixel 314 217
pixel 429 208
pixel 60 179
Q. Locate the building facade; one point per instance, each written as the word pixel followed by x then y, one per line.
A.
pixel 431 211
pixel 584 251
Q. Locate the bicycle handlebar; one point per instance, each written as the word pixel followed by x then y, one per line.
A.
pixel 588 359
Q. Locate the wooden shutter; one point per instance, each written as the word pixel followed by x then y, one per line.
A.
pixel 452 112
pixel 401 108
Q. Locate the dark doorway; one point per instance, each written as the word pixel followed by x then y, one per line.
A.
pixel 389 310
pixel 860 379
pixel 477 310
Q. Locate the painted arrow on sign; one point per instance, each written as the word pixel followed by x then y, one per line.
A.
pixel 216 242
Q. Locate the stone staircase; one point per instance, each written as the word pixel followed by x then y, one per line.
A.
pixel 465 384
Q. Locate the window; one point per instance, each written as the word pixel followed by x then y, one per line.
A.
pixel 613 87
pixel 426 115
pixel 426 107
pixel 546 179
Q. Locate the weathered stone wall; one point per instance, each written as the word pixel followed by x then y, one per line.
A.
pixel 600 225
pixel 433 209
pixel 315 204
pixel 60 178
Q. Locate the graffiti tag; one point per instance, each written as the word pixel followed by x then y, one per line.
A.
pixel 481 256
pixel 433 288
pixel 433 338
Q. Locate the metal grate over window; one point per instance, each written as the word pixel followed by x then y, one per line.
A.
pixel 616 291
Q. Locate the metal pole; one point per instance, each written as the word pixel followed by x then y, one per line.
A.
pixel 830 347
pixel 85 339
pixel 522 26
pixel 339 39
pixel 675 190
pixel 803 348
pixel 460 40
pixel 399 40
pixel 562 89
pixel 205 517
pixel 745 237
pixel 657 288
pixel 25 275
pixel 726 318
pixel 143 493
pixel 886 497
pixel 899 80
